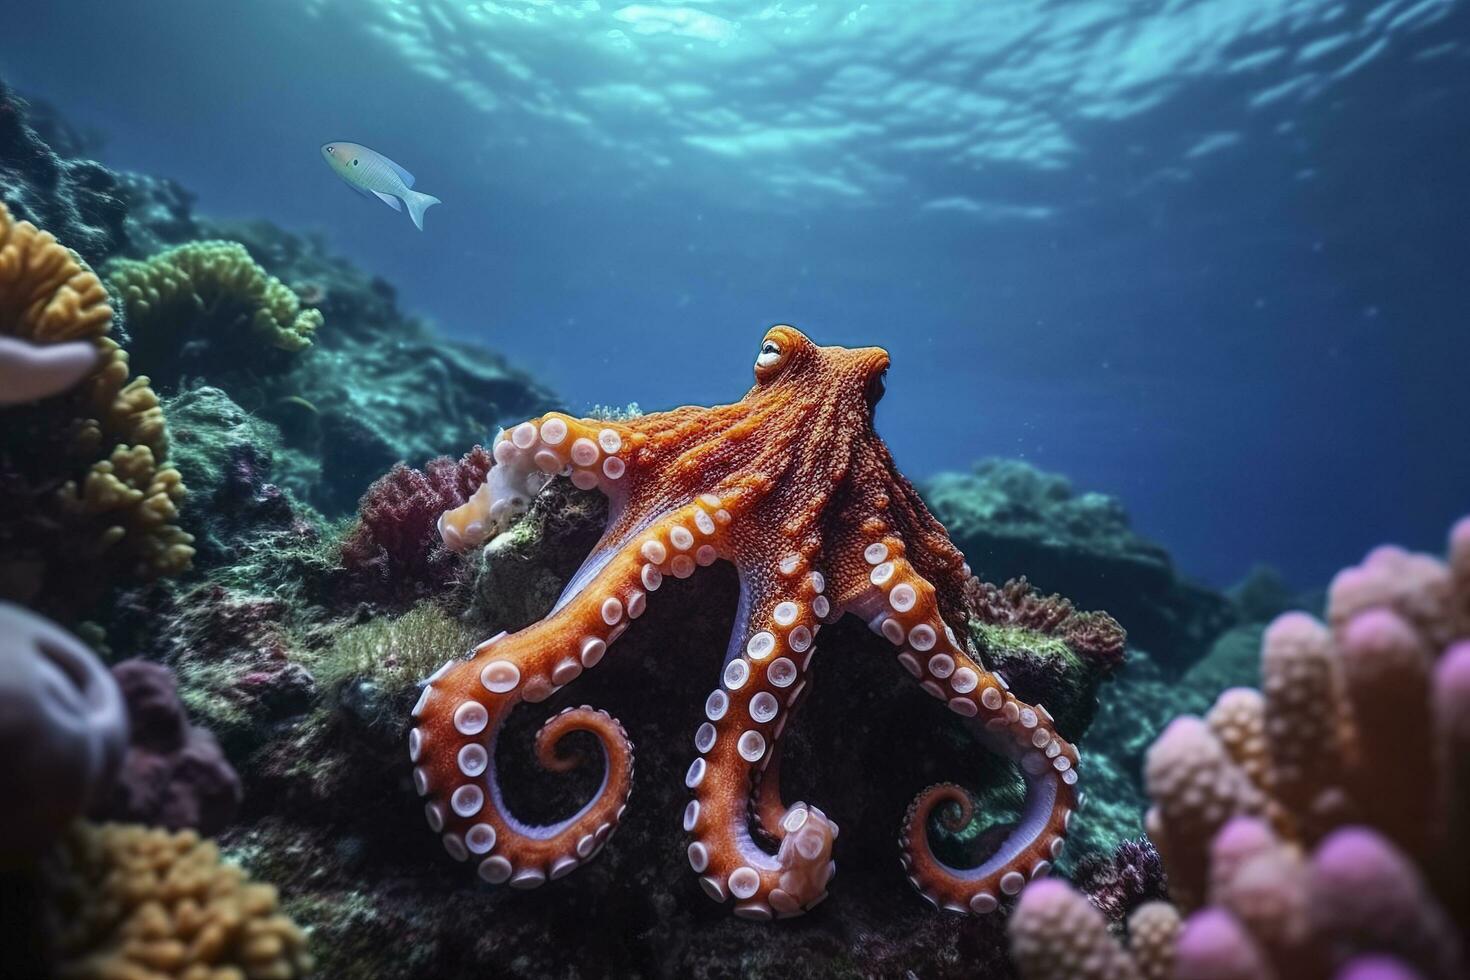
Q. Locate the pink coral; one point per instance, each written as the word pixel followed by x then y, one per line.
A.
pixel 1317 826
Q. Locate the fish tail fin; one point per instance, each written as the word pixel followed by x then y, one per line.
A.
pixel 417 205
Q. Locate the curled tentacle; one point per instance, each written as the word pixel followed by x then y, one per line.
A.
pixel 465 704
pixel 460 717
pixel 735 780
pixel 900 605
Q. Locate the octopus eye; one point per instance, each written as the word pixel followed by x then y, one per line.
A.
pixel 770 354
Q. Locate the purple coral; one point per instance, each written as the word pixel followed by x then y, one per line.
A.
pixel 1126 879
pixel 174 774
pixel 62 730
pixel 395 542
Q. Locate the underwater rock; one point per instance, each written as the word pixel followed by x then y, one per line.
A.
pixel 174 774
pixel 1263 595
pixel 230 459
pixel 1049 651
pixel 80 201
pixel 1011 519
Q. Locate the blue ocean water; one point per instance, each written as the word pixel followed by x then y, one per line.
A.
pixel 1207 255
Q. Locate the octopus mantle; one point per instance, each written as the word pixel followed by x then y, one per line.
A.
pixel 793 486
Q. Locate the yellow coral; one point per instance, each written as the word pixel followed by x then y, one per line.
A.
pixel 48 295
pixel 209 277
pixel 137 903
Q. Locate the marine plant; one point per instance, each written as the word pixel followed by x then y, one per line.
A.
pixel 89 498
pixel 1315 824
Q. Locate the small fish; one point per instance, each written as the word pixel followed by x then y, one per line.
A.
pixel 371 174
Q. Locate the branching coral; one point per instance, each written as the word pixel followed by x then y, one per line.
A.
pixel 87 496
pixel 1317 825
pixel 395 544
pixel 209 299
pixel 132 902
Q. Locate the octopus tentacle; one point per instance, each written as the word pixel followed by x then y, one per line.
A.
pixel 465 704
pixel 902 607
pixel 765 675
pixel 595 455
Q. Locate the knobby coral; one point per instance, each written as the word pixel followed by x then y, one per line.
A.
pixel 208 297
pixel 87 496
pixel 131 902
pixel 1318 822
pixel 174 774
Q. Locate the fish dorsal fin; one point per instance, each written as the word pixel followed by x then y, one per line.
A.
pixel 407 177
pixel 389 200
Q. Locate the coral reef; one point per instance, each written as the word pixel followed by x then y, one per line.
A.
pixel 63 731
pixel 174 774
pixel 305 666
pixel 1011 519
pixel 1315 822
pixel 112 519
pixel 128 901
pixel 200 309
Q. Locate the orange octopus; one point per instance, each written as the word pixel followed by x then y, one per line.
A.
pixel 793 486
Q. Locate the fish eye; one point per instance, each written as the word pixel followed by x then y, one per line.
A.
pixel 354 163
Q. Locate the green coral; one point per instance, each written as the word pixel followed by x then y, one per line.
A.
pixel 211 291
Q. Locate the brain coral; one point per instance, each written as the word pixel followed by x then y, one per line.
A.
pixel 208 308
pixel 1316 825
pixel 88 497
pixel 63 731
pixel 132 902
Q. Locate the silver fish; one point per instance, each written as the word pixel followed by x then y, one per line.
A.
pixel 371 174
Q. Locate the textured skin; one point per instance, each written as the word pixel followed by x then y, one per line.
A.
pixel 791 485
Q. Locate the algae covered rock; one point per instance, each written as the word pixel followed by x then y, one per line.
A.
pixel 78 200
pixel 1011 519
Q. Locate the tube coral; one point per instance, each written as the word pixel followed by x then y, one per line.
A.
pixel 89 497
pixel 1315 828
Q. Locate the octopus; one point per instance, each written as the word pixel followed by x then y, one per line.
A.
pixel 794 488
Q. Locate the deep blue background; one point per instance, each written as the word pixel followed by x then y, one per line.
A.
pixel 1264 350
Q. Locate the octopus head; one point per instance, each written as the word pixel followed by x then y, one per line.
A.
pixel 788 361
